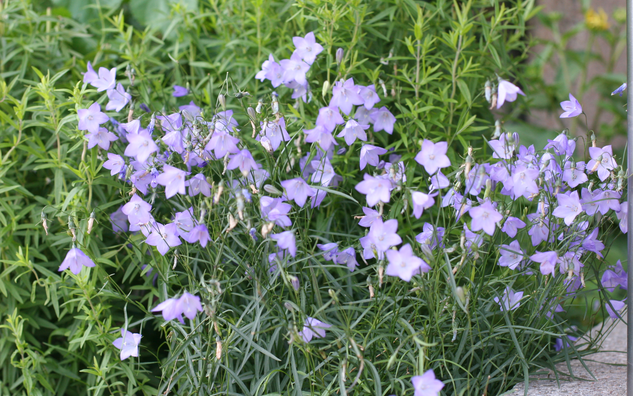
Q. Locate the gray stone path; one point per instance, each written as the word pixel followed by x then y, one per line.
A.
pixel 609 368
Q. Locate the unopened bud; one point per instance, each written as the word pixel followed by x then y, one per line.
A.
pixel 260 104
pixel 339 56
pixel 44 223
pixel 251 113
pixel 333 295
pixel 294 281
pixel 488 91
pixel 222 101
pixel 232 222
pixel 275 103
pixel 216 198
pixel 91 221
pixel 267 228
pixel 218 348
pixel 266 144
pixel 497 133
pixel 461 294
pixel 325 89
pixel 272 189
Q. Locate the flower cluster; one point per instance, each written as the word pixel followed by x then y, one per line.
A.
pixel 540 210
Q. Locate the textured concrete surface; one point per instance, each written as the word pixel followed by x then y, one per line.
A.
pixel 609 368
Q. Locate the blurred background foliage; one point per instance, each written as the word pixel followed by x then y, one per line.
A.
pixel 433 58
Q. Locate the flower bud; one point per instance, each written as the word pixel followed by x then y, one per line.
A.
pixel 325 89
pixel 497 133
pixel 488 91
pixel 294 281
pixel 461 294
pixel 44 223
pixel 222 101
pixel 232 222
pixel 266 144
pixel 339 56
pixel 260 104
pixel 91 221
pixel 251 113
pixel 275 103
pixel 271 189
pixel 218 348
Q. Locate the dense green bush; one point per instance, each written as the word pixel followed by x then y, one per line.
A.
pixel 429 63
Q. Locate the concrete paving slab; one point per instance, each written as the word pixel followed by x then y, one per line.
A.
pixel 609 368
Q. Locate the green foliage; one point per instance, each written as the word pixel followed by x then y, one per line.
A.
pixel 428 60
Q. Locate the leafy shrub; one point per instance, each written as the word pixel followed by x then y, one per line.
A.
pixel 250 333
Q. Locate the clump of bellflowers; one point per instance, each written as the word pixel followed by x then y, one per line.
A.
pixel 246 210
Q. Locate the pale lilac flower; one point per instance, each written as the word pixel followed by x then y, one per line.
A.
pixel 115 164
pixel 102 138
pixel 173 179
pixel 369 96
pixel 128 344
pixel 364 116
pixel 574 174
pixel 286 240
pixel 91 118
pixel 369 155
pixel 510 300
pixel 608 199
pixel 199 233
pixel 430 237
pixel 615 276
pixel 140 146
pixel 485 217
pixel 298 190
pixel 179 91
pixel 432 156
pixel 548 261
pixel 623 217
pixel 222 143
pixel 90 75
pixel 275 209
pixel 524 181
pixel 426 384
pixel 313 328
pixel 321 136
pixel 381 237
pixel 307 48
pixel 106 80
pixel 375 188
pixel 295 69
pixel 171 309
pixel 352 131
pixel 75 260
pixel 370 216
pixel 439 181
pixel 329 118
pixel 568 208
pixel 276 132
pixel 559 344
pixel 199 185
pixel 347 257
pixel 404 264
pixel 164 237
pixel 507 92
pixel 569 263
pixel 562 145
pixel 345 95
pixel 590 201
pixel 601 161
pixel 189 305
pixel 421 202
pixel 190 110
pixel 119 222
pixel 275 74
pixel 619 90
pixel 571 107
pixel 511 226
pixel 511 255
pixel 184 223
pixel 242 160
pixel 614 312
pixel 592 244
pixel 266 66
pixel 330 249
pixel 118 98
pixel 502 148
pixel 383 120
pixel 137 210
